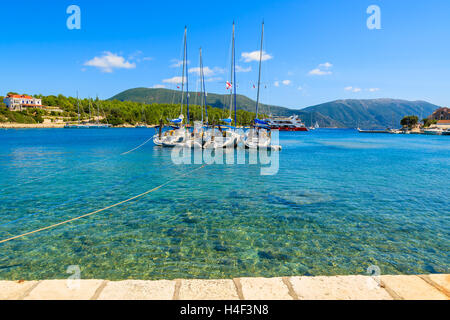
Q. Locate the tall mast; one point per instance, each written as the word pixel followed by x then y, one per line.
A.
pixel 231 72
pixel 90 110
pixel 259 74
pixel 201 81
pixel 98 112
pixel 78 108
pixel 234 80
pixel 187 77
pixel 182 74
pixel 203 87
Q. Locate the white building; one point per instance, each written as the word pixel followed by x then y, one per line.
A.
pixel 17 102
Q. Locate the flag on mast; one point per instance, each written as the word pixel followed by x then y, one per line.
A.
pixel 229 85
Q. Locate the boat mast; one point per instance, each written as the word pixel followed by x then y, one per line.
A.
pixel 78 108
pixel 182 73
pixel 203 89
pixel 231 73
pixel 201 80
pixel 187 76
pixel 234 80
pixel 98 112
pixel 259 74
pixel 90 110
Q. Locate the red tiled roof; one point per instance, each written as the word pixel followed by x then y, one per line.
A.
pixel 443 122
pixel 19 96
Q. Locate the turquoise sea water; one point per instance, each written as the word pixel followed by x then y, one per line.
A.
pixel 341 202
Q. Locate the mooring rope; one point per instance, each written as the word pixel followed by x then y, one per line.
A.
pixel 141 145
pixel 103 209
pixel 59 205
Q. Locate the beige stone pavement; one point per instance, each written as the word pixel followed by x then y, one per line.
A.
pixel 423 287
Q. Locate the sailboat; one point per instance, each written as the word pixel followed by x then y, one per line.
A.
pixel 226 136
pixel 97 124
pixel 89 125
pixel 312 127
pixel 179 135
pixel 197 138
pixel 143 123
pixel 259 137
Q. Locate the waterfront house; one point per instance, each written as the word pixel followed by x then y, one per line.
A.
pixel 16 102
pixel 443 124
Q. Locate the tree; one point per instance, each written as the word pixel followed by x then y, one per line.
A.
pixel 409 121
pixel 428 122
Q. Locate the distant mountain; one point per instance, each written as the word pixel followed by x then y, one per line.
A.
pixel 149 96
pixel 375 113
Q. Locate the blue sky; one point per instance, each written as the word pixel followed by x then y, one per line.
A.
pixel 316 51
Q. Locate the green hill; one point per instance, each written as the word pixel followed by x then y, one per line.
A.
pixel 375 113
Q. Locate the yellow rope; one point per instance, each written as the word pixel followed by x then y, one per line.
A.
pixel 141 145
pixel 100 210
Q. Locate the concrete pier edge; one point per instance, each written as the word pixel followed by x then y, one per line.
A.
pixel 354 287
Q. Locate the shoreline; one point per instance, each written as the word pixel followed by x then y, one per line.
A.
pixel 9 125
pixel 356 287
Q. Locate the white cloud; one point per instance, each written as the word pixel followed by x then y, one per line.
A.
pixel 322 70
pixel 356 89
pixel 241 69
pixel 318 72
pixel 325 65
pixel 159 86
pixel 353 89
pixel 207 71
pixel 286 82
pixel 255 55
pixel 276 83
pixel 174 80
pixel 110 61
pixel 300 88
pixel 177 63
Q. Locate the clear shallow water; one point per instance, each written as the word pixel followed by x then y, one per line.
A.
pixel 342 201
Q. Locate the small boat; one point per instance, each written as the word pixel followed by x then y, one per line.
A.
pixel 396 131
pixel 433 131
pixel 372 131
pixel 446 132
